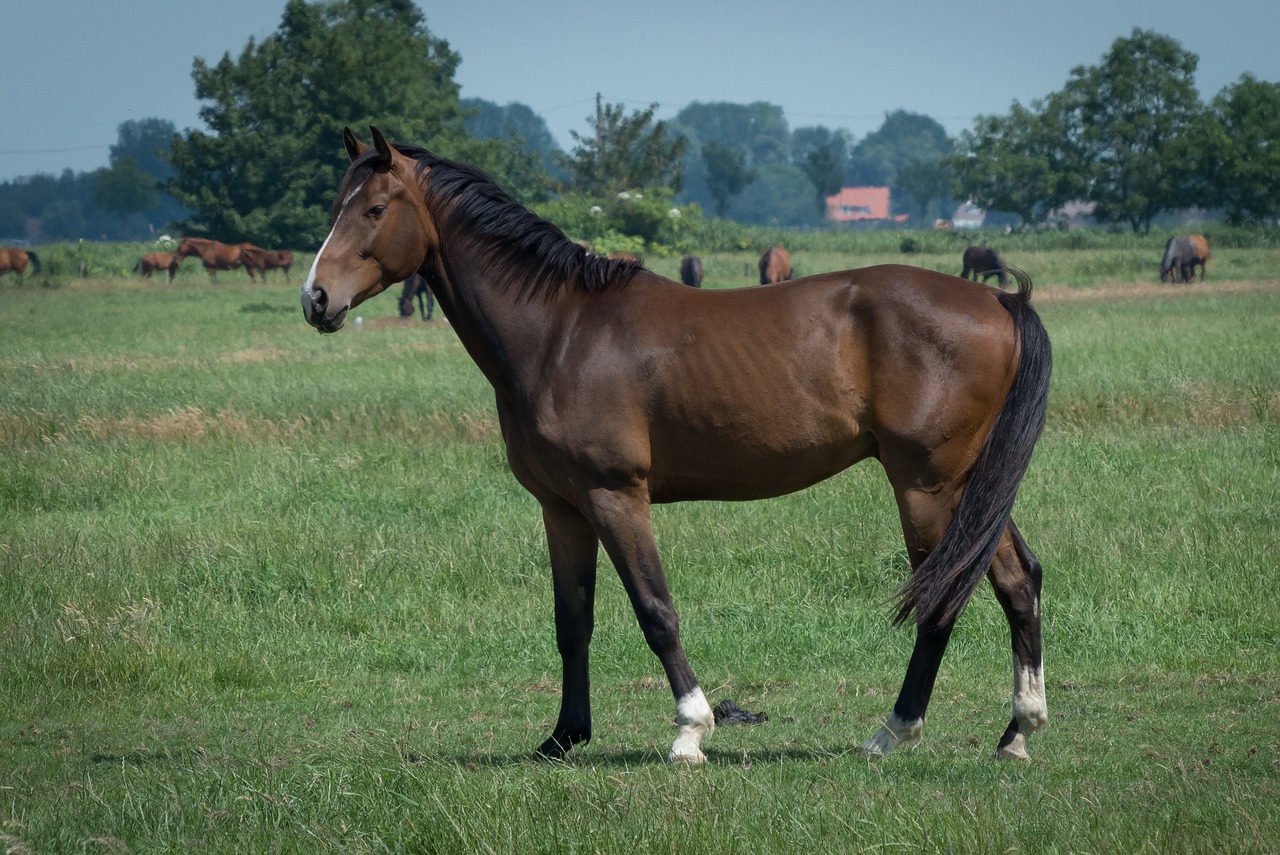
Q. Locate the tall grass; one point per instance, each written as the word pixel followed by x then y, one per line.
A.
pixel 263 590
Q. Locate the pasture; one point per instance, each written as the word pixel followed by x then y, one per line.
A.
pixel 267 591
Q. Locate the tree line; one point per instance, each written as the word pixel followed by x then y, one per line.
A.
pixel 1129 135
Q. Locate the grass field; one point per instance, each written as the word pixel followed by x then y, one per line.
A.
pixel 267 591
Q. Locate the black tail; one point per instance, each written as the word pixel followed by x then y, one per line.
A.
pixel 35 261
pixel 941 586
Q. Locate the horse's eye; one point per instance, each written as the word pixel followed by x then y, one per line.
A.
pixel 376 211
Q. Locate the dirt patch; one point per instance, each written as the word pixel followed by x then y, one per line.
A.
pixel 1148 290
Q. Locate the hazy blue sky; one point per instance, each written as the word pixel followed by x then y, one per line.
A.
pixel 73 70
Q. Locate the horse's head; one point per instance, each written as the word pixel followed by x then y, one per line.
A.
pixel 185 247
pixel 381 233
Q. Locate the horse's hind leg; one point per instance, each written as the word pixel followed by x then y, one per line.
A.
pixel 1016 577
pixel 573 547
pixel 925 516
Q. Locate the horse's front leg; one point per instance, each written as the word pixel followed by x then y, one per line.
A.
pixel 623 524
pixel 574 547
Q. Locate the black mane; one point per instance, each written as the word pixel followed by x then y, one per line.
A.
pixel 523 250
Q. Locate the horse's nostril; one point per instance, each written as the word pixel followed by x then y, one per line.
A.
pixel 319 297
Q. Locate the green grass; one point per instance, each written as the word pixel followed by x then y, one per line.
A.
pixel 263 590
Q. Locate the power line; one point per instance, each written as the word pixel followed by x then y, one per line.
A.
pixel 55 150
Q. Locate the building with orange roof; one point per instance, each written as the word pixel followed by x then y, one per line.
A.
pixel 861 204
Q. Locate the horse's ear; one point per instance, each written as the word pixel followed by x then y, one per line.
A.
pixel 355 148
pixel 380 143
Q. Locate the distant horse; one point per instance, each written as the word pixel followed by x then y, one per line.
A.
pixel 416 287
pixel 153 261
pixel 263 260
pixel 775 265
pixel 1181 255
pixel 15 259
pixel 216 256
pixel 618 389
pixel 691 271
pixel 979 260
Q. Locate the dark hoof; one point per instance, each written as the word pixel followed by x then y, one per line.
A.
pixel 557 746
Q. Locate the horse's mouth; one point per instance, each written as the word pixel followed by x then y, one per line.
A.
pixel 318 319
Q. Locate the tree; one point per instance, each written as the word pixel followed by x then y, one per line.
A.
pixel 825 169
pixel 903 138
pixel 513 124
pixel 727 173
pixel 147 142
pixel 1239 147
pixel 124 188
pixel 624 153
pixel 925 183
pixel 266 168
pixel 781 195
pixel 1132 114
pixel 760 129
pixel 1018 163
pixel 805 140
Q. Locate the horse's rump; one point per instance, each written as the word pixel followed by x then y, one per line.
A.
pixel 775 265
pixel 691 271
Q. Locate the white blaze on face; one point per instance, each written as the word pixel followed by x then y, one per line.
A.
pixel 696 721
pixel 311 275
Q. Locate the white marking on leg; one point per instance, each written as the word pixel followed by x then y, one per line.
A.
pixel 1029 706
pixel 696 721
pixel 1029 709
pixel 895 733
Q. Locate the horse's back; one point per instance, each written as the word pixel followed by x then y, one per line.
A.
pixel 1200 245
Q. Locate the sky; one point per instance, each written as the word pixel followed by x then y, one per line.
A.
pixel 72 71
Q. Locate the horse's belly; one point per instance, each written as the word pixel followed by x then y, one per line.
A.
pixel 732 469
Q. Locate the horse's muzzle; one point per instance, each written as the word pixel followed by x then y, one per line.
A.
pixel 315 310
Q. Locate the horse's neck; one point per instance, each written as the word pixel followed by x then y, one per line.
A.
pixel 504 333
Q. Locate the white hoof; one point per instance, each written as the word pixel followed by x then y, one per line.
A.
pixel 679 758
pixel 1015 750
pixel 696 721
pixel 895 733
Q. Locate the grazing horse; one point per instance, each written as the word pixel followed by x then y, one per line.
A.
pixel 263 260
pixel 618 389
pixel 979 260
pixel 416 287
pixel 153 261
pixel 1181 255
pixel 217 256
pixel 691 271
pixel 775 265
pixel 16 259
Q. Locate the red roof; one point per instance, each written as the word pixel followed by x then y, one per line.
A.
pixel 859 203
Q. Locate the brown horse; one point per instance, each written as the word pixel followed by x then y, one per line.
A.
pixel 15 259
pixel 153 261
pixel 262 260
pixel 415 288
pixel 617 389
pixel 691 271
pixel 1181 255
pixel 979 260
pixel 217 256
pixel 775 265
